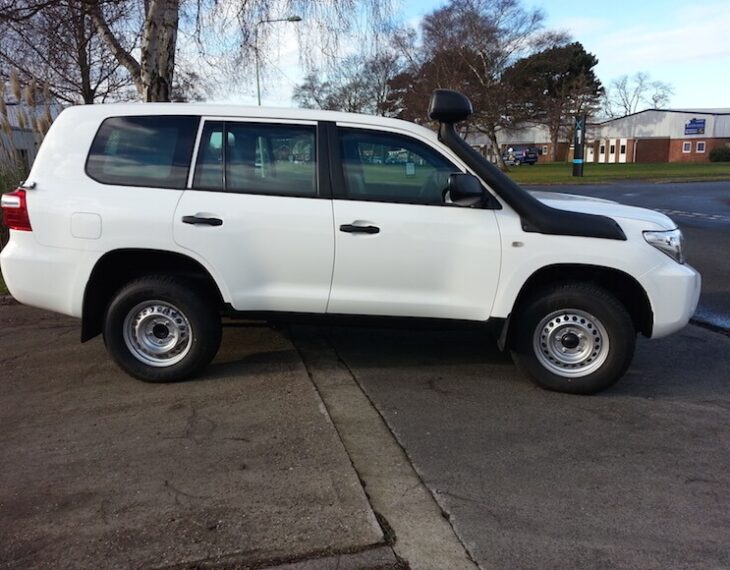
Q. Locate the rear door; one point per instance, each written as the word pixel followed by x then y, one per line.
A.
pixel 400 250
pixel 257 214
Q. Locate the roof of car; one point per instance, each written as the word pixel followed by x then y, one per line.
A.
pixel 238 111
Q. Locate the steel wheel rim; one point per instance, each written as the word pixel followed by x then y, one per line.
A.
pixel 157 333
pixel 571 343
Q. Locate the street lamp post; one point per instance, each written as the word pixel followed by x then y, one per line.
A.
pixel 256 48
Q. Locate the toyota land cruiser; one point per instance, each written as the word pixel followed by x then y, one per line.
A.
pixel 150 221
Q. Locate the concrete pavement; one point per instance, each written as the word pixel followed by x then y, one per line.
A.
pixel 241 468
pixel 635 477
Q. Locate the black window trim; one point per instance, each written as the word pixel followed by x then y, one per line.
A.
pixel 337 172
pixel 322 185
pixel 184 186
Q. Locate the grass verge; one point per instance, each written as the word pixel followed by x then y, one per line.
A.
pixel 3 288
pixel 562 173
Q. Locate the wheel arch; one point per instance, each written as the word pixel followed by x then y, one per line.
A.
pixel 118 267
pixel 622 285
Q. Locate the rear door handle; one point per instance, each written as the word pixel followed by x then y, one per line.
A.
pixel 352 229
pixel 197 220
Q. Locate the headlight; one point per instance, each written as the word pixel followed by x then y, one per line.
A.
pixel 670 242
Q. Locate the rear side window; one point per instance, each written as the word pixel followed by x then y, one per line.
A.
pixel 279 160
pixel 143 151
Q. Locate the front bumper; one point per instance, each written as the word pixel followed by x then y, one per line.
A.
pixel 674 291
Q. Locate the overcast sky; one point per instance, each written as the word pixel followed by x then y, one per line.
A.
pixel 686 45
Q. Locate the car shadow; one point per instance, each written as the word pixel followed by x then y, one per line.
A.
pixel 691 364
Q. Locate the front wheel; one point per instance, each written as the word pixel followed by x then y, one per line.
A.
pixel 575 338
pixel 160 329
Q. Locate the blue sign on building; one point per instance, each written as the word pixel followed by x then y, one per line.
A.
pixel 694 127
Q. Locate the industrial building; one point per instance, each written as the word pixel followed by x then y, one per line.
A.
pixel 653 135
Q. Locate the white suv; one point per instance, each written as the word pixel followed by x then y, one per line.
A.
pixel 150 221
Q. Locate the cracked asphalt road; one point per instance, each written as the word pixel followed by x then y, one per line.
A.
pixel 635 477
pixel 98 470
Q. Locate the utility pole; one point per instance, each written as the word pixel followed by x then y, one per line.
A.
pixel 256 48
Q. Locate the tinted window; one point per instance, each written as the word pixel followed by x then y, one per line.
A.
pixel 258 159
pixel 392 168
pixel 143 151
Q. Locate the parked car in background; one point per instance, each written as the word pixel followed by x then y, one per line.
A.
pixel 516 155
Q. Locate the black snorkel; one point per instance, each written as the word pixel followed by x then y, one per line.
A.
pixel 450 107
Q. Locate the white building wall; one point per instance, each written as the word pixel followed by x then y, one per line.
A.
pixel 663 124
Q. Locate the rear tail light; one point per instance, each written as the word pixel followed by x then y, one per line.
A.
pixel 15 211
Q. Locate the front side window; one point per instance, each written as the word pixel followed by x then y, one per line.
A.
pixel 257 159
pixel 700 146
pixel 387 167
pixel 143 151
pixel 686 147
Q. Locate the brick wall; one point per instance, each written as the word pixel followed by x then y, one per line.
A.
pixel 676 153
pixel 652 150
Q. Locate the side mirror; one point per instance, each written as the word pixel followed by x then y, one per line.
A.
pixel 465 190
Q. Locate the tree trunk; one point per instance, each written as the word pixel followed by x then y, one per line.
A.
pixel 79 16
pixel 115 47
pixel 554 136
pixel 153 74
pixel 159 40
pixel 492 136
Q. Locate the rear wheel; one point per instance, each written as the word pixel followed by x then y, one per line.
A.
pixel 575 338
pixel 161 329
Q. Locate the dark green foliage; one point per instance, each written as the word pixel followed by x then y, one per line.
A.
pixel 554 85
pixel 720 154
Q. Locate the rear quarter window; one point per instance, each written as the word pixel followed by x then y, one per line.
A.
pixel 143 151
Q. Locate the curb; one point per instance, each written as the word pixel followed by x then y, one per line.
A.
pixel 710 327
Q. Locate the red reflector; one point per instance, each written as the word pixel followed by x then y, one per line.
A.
pixel 15 211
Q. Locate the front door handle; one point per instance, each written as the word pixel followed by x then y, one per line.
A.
pixel 197 220
pixel 352 229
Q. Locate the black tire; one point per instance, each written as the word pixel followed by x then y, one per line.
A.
pixel 166 310
pixel 585 342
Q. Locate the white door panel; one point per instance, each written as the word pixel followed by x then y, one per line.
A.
pixel 274 253
pixel 612 149
pixel 623 144
pixel 425 261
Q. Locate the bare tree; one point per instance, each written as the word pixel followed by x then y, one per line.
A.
pixel 142 36
pixel 359 85
pixel 629 94
pixel 57 44
pixel 467 45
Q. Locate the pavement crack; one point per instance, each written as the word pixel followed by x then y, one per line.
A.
pixel 198 427
pixel 382 464
pixel 177 493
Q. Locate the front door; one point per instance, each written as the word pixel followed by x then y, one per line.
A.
pixel 400 250
pixel 255 215
pixel 622 146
